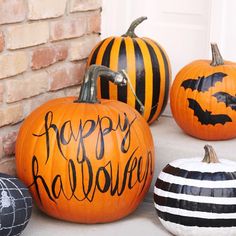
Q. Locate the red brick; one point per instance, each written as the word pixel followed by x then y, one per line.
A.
pixel 94 22
pixel 67 76
pixel 13 63
pixel 59 79
pixel 39 100
pixel 12 11
pixel 27 35
pixel 8 166
pixel 11 114
pixel 84 5
pixel 72 91
pixel 65 29
pixel 81 48
pixel 9 142
pixel 77 72
pixel 1 148
pixel 29 85
pixel 1 93
pixel 43 57
pixel 42 9
pixel 2 42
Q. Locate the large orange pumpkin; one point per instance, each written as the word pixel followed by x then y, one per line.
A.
pixel 86 160
pixel 147 66
pixel 203 99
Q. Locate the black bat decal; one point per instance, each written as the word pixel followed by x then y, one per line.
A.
pixel 227 99
pixel 205 117
pixel 202 84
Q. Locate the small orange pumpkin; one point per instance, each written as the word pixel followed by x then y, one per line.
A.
pixel 86 160
pixel 203 98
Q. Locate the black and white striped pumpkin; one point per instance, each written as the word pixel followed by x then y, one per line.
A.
pixel 197 197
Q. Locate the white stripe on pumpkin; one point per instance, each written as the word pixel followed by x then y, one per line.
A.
pixel 198 214
pixel 197 183
pixel 200 199
pixel 183 230
pixel 196 164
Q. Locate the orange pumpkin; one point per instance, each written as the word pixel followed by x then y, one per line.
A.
pixel 202 98
pixel 86 160
pixel 147 66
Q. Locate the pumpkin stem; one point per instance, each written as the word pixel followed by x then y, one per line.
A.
pixel 88 92
pixel 134 24
pixel 217 59
pixel 210 155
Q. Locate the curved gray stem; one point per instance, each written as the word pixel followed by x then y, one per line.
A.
pixel 210 155
pixel 217 59
pixel 134 24
pixel 88 92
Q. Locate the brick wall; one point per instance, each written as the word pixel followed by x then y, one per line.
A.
pixel 43 49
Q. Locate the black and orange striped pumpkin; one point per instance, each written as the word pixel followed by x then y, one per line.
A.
pixel 147 66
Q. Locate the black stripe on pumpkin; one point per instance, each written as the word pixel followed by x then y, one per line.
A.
pixel 194 221
pixel 95 53
pixel 106 62
pixel 196 191
pixel 156 81
pixel 122 64
pixel 217 176
pixel 167 78
pixel 140 75
pixel 194 206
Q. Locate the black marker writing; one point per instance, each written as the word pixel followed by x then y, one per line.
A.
pixel 109 176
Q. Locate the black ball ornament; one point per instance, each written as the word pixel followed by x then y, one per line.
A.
pixel 15 205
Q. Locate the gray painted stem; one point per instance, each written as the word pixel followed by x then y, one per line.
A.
pixel 134 24
pixel 217 59
pixel 88 92
pixel 210 155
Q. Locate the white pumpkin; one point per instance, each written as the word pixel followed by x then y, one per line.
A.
pixel 195 197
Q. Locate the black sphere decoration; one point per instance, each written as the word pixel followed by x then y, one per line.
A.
pixel 15 205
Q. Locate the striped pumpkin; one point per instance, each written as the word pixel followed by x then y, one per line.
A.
pixel 191 202
pixel 147 66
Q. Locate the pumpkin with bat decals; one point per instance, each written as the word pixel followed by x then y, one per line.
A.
pixel 203 98
pixel 147 66
pixel 84 159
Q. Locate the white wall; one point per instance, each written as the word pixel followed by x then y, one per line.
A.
pixel 184 28
pixel 229 29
